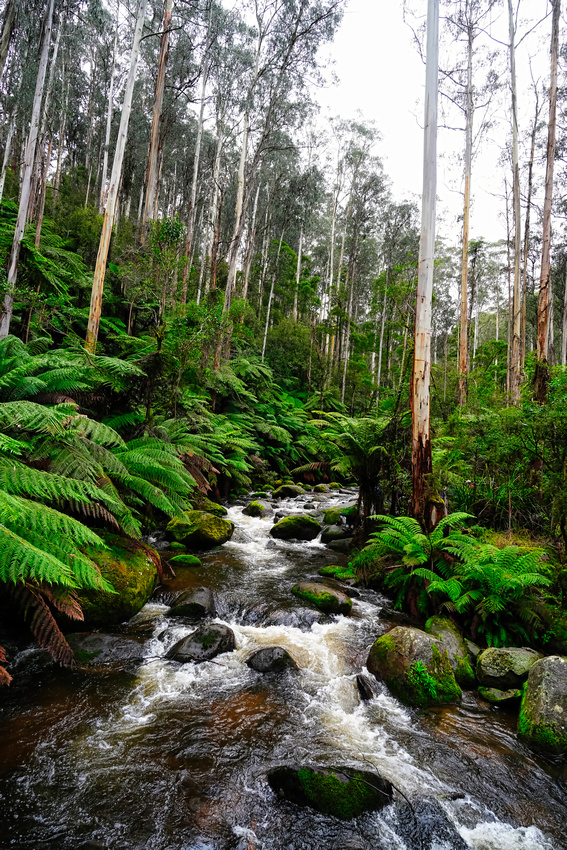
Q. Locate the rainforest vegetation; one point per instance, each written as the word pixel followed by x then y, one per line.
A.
pixel 207 290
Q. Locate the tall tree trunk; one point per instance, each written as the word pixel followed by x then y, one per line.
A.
pixel 425 507
pixel 274 278
pixel 152 172
pixel 515 367
pixel 381 346
pixel 527 233
pixel 297 274
pixel 109 110
pixel 347 337
pixel 564 332
pixel 100 269
pixel 469 113
pixel 25 191
pixel 7 151
pixel 42 193
pixel 8 25
pixel 542 366
pixel 61 135
pixel 250 247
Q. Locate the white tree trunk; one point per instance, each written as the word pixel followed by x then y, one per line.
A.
pixel 274 277
pixel 297 274
pixel 25 191
pixel 250 246
pixel 423 506
pixel 515 368
pixel 100 268
pixel 469 114
pixel 564 334
pixel 7 151
pixel 104 179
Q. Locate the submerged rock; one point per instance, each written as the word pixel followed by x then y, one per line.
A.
pixel 205 643
pixel 200 530
pixel 505 667
pixel 327 599
pixel 415 667
pixel 343 546
pixel 543 714
pixel 364 687
pixel 340 791
pixel 131 569
pixel 296 527
pixel 426 827
pixel 96 649
pixel 334 532
pixel 196 603
pixel 447 632
pixel 271 659
pixel 258 509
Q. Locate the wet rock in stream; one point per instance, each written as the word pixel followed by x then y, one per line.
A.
pixel 339 791
pixel 196 603
pixel 327 599
pixel 204 644
pixel 271 659
pixel 425 826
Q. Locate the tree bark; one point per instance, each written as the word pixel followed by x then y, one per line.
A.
pixel 7 151
pixel 104 178
pixel 8 25
pixel 564 332
pixel 250 246
pixel 542 365
pixel 152 171
pixel 297 274
pixel 274 276
pixel 527 233
pixel 515 367
pixel 425 507
pixel 100 268
pixel 469 113
pixel 29 160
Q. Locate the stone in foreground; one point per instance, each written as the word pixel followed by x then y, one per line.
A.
pixel 258 508
pixel 340 791
pixel 496 697
pixel 327 599
pixel 271 659
pixel 415 667
pixel 505 667
pixel 205 643
pixel 296 528
pixel 200 530
pixel 543 714
pixel 196 603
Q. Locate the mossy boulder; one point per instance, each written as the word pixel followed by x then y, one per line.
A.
pixel 197 603
pixel 174 546
pixel 343 792
pixel 415 666
pixel 327 599
pixel 271 659
pixel 296 528
pixel 543 714
pixel 496 697
pixel 258 508
pixel 334 485
pixel 185 560
pixel 340 573
pixel 320 488
pixel 505 667
pixel 332 516
pixel 131 569
pixel 334 532
pixel 205 643
pixel 446 631
pixel 200 530
pixel 201 503
pixel 288 491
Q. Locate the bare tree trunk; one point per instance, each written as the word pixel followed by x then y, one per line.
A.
pixel 297 274
pixel 469 113
pixel 61 135
pixel 380 347
pixel 29 160
pixel 515 368
pixel 152 172
pixel 100 269
pixel 564 333
pixel 527 232
pixel 425 507
pixel 8 25
pixel 542 366
pixel 274 277
pixel 42 193
pixel 104 178
pixel 7 151
pixel 347 337
pixel 250 247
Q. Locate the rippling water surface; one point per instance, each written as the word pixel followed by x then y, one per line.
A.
pixel 147 753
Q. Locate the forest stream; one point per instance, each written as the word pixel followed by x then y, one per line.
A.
pixel 138 751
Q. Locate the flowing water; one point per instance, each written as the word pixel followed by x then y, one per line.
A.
pixel 147 753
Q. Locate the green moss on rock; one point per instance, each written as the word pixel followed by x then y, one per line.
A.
pixel 446 631
pixel 542 721
pixel 185 560
pixel 296 527
pixel 201 503
pixel 257 509
pixel 332 516
pixel 327 599
pixel 200 530
pixel 176 547
pixel 131 569
pixel 340 573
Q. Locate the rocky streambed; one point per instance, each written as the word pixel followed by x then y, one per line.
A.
pixel 136 749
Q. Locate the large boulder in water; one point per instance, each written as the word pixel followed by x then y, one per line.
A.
pixel 201 503
pixel 334 532
pixel 543 714
pixel 131 569
pixel 446 631
pixel 340 791
pixel 271 659
pixel 333 516
pixel 196 603
pixel 505 667
pixel 288 491
pixel 330 600
pixel 203 644
pixel 258 508
pixel 415 667
pixel 200 530
pixel 296 528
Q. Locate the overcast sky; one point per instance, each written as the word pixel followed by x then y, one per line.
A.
pixel 382 75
